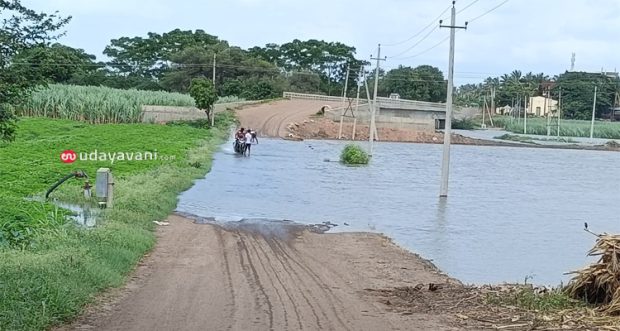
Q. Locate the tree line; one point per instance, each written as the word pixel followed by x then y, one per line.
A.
pixel 170 61
pixel 576 89
pixel 30 56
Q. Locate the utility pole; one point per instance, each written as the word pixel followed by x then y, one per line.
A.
pixel 525 114
pixel 344 109
pixel 357 102
pixel 445 166
pixel 213 111
pixel 593 114
pixel 213 80
pixel 371 135
pixel 492 102
pixel 546 111
pixel 559 112
pixel 484 106
pixel 346 85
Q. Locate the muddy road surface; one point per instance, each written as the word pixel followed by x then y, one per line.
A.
pixel 209 277
pixel 271 119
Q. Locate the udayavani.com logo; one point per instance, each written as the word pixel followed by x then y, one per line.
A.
pixel 70 156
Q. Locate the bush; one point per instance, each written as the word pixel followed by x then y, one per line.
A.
pixel 353 154
pixel 464 124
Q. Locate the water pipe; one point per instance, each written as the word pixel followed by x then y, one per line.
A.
pixel 76 174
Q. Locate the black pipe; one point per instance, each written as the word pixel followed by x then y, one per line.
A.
pixel 77 174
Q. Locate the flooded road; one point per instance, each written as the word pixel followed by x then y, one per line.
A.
pixel 512 213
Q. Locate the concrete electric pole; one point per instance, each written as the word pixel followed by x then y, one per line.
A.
pixel 373 109
pixel 445 166
pixel 213 80
pixel 593 114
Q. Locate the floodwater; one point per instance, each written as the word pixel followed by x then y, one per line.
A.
pixel 83 215
pixel 511 213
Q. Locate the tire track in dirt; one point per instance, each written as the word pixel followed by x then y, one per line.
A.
pixel 284 257
pixel 254 279
pixel 266 261
pixel 253 243
pixel 288 290
pixel 226 264
pixel 307 293
pixel 211 277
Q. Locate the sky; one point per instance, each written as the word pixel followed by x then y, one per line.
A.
pixel 528 35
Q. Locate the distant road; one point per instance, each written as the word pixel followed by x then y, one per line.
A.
pixel 271 119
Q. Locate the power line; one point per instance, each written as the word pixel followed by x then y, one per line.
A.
pixel 488 11
pixel 419 32
pixel 416 44
pixel 424 51
pixel 464 8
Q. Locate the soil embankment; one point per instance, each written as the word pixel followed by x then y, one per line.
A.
pixel 209 277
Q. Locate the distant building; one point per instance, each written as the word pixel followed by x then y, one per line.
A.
pixel 505 110
pixel 541 106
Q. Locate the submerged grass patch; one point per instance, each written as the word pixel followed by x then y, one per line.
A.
pixel 49 268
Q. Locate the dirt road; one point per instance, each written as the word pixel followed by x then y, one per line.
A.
pixel 206 277
pixel 271 119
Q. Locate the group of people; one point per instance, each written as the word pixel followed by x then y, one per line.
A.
pixel 244 139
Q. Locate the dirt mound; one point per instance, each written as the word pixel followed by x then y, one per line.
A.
pixel 322 128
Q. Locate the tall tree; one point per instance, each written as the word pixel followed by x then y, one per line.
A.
pixel 578 93
pixel 328 59
pixel 149 57
pixel 423 83
pixel 56 63
pixel 234 67
pixel 22 28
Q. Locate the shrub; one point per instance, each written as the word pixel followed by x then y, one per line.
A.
pixel 353 154
pixel 464 124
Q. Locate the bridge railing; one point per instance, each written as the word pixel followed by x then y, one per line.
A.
pixel 411 104
pixel 305 96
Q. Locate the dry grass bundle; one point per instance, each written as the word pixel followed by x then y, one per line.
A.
pixel 599 283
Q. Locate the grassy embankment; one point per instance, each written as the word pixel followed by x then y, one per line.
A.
pixel 568 128
pixel 49 267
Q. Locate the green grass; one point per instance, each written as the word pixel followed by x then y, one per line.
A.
pixel 53 268
pixel 526 298
pixel 568 128
pixel 354 155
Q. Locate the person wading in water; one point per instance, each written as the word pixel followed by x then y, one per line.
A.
pixel 248 142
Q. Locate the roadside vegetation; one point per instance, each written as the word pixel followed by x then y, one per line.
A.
pixel 465 124
pixel 49 267
pixel 533 139
pixel 354 155
pixel 568 128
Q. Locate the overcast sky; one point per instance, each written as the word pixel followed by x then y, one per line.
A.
pixel 530 35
